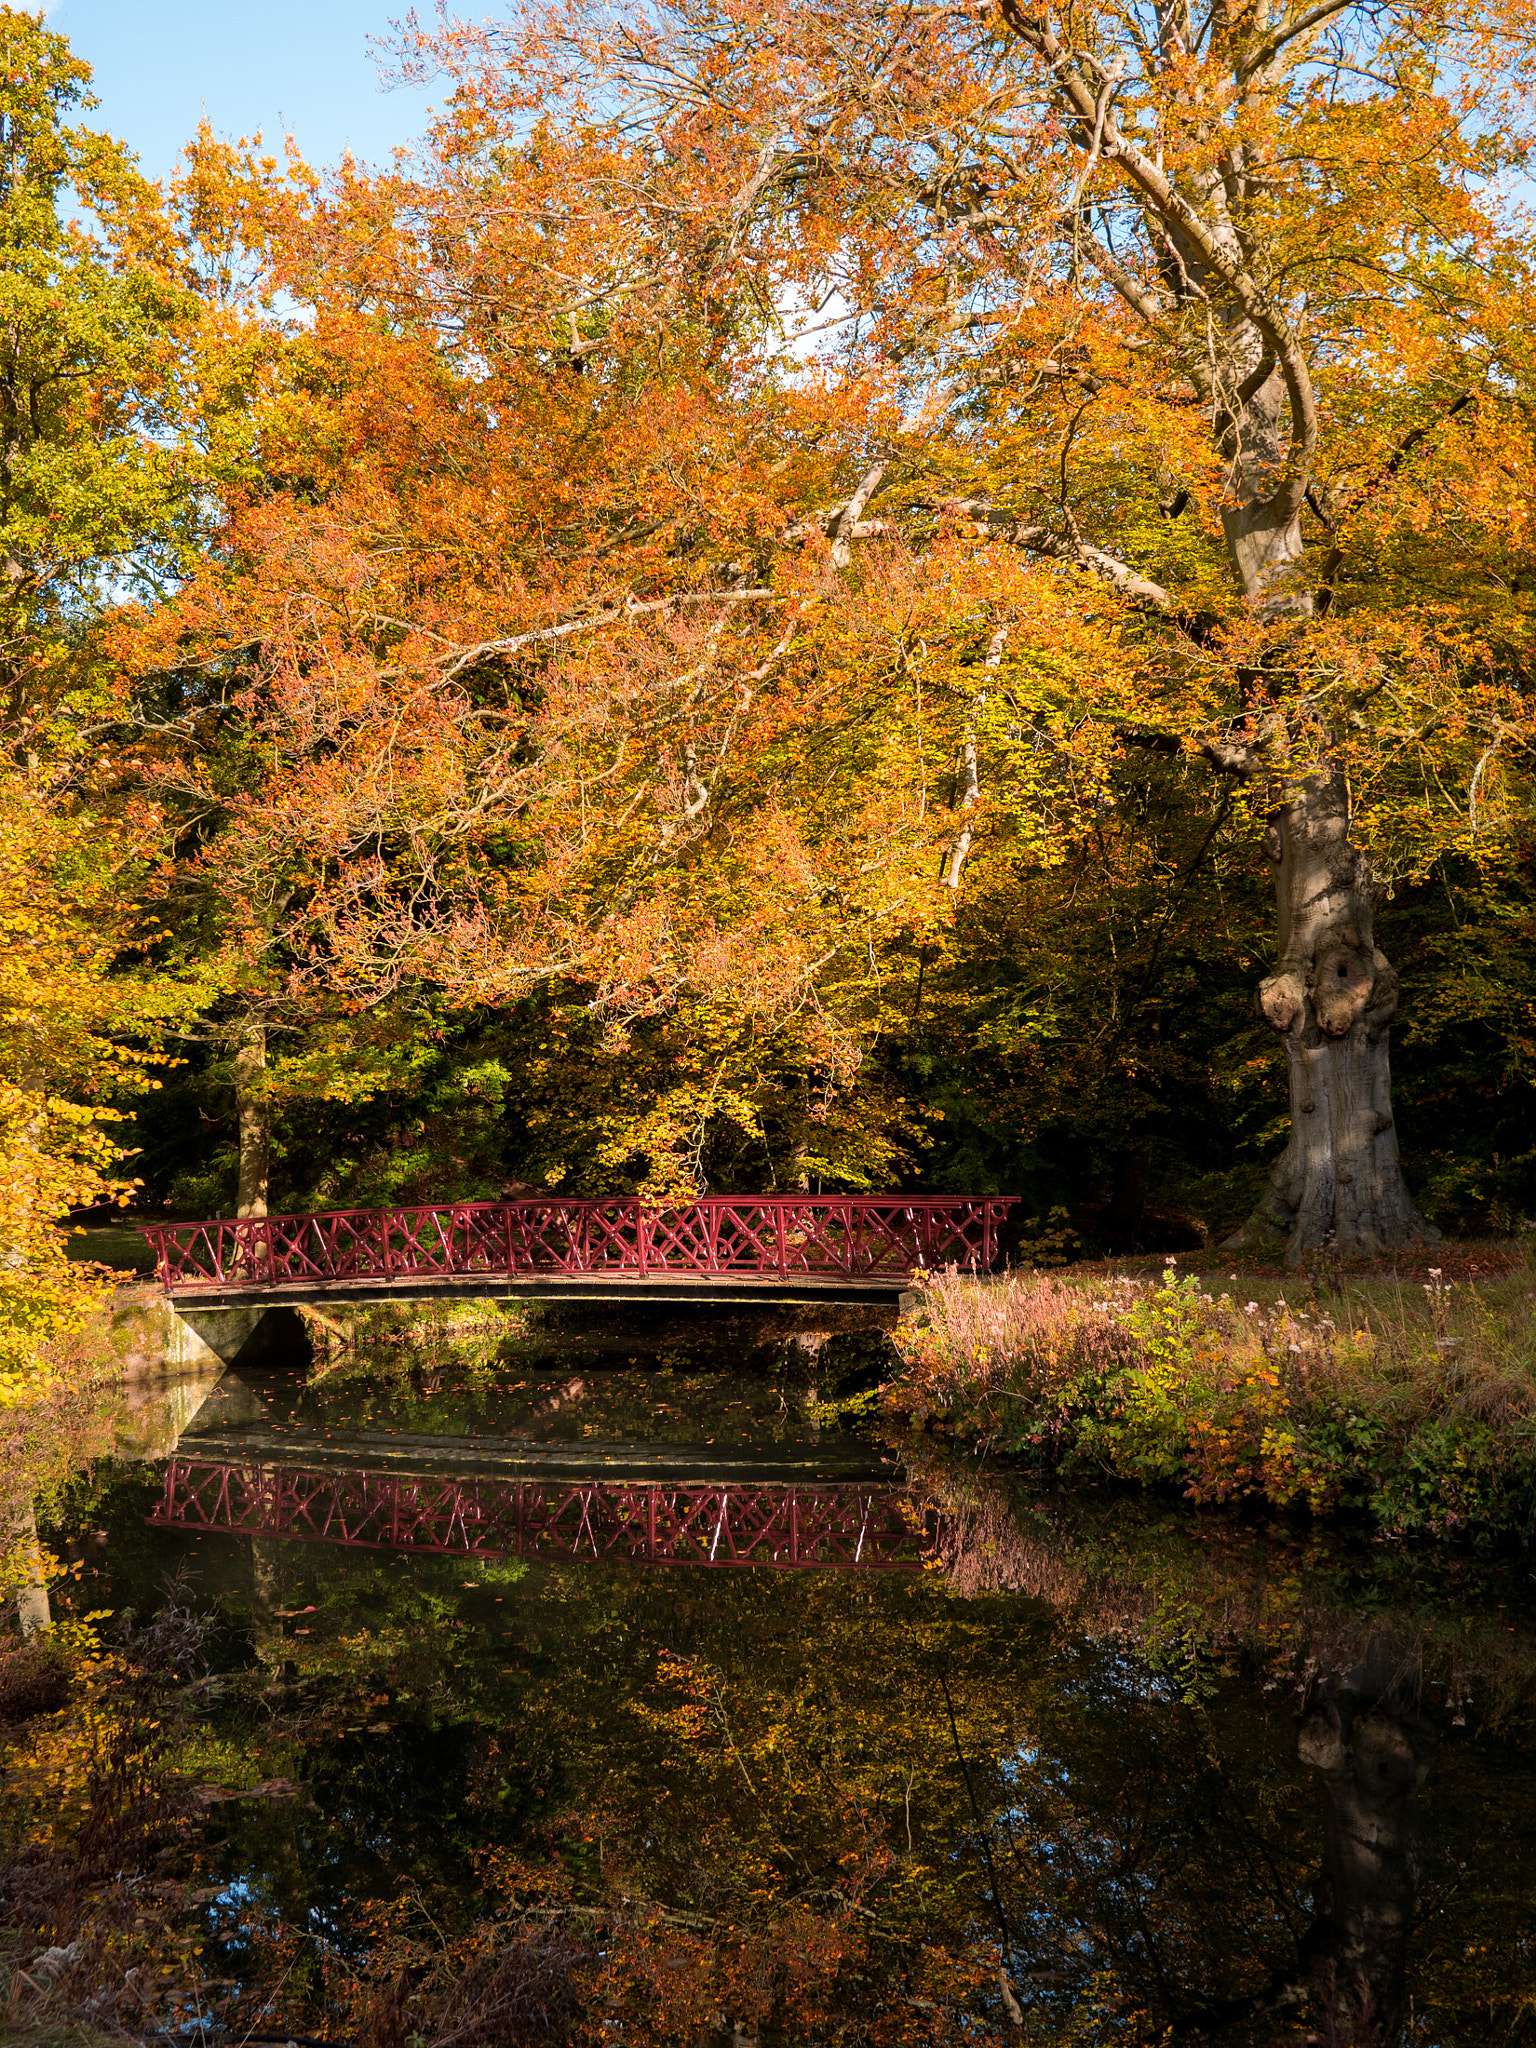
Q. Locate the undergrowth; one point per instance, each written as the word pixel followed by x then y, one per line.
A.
pixel 1410 1403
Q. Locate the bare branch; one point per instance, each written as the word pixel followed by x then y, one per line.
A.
pixel 542 635
pixel 1082 554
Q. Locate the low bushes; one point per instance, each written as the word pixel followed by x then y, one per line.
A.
pixel 1411 1403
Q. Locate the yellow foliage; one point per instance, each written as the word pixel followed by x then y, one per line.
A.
pixel 67 1006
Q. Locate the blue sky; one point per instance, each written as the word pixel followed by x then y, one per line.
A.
pixel 299 65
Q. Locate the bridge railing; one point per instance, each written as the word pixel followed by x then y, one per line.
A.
pixel 785 1237
pixel 856 1526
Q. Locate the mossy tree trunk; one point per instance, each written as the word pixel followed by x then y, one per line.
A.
pixel 254 1117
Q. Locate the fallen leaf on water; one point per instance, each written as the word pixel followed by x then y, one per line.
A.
pixel 269 1788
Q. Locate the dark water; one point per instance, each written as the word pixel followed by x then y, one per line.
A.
pixel 1176 1776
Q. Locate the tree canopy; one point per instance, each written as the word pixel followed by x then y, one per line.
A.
pixel 772 605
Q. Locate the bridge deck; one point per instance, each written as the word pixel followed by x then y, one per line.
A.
pixel 420 1455
pixel 727 1289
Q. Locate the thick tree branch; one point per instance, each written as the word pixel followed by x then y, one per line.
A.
pixel 992 524
pixel 1175 212
pixel 1114 273
pixel 1275 42
pixel 484 650
pixel 1236 753
pixel 848 520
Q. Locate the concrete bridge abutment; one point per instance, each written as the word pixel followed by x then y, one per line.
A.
pixel 155 1337
pixel 253 1334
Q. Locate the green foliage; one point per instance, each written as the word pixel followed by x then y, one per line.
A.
pixel 97 482
pixel 1135 1419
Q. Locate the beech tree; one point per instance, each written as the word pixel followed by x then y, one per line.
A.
pixel 477 691
pixel 1217 314
pixel 764 464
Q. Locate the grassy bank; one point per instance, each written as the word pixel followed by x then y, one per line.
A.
pixel 1407 1400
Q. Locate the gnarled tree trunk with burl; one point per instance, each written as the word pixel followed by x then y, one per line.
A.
pixel 1331 999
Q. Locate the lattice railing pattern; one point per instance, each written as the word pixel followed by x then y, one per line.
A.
pixel 856 1526
pixel 786 1237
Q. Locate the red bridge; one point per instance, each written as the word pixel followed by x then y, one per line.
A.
pixel 855 1526
pixel 859 1244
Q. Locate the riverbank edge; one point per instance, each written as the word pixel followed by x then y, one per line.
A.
pixel 1405 1401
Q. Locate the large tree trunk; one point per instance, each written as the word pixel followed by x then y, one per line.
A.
pixel 254 1116
pixel 1267 555
pixel 1262 531
pixel 1340 1183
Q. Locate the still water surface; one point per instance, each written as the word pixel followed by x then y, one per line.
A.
pixel 1129 1773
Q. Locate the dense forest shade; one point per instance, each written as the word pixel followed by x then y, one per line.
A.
pixel 1145 1138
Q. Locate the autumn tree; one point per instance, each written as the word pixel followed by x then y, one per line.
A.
pixel 97 497
pixel 73 1027
pixel 1216 315
pixel 761 472
pixel 478 697
pixel 93 481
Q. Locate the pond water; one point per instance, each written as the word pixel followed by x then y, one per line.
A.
pixel 649 1633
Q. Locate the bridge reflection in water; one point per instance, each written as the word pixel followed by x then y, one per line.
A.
pixel 849 1526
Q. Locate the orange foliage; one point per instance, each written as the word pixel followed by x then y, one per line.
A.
pixel 646 497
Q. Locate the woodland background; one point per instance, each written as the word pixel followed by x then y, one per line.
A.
pixel 496 652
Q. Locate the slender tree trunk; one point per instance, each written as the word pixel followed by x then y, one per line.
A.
pixel 267 1637
pixel 33 1611
pixel 967 779
pixel 968 789
pixel 254 1116
pixel 1340 1182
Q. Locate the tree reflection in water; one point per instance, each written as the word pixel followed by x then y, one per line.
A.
pixel 1185 1876
pixel 1092 1777
pixel 1362 1733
